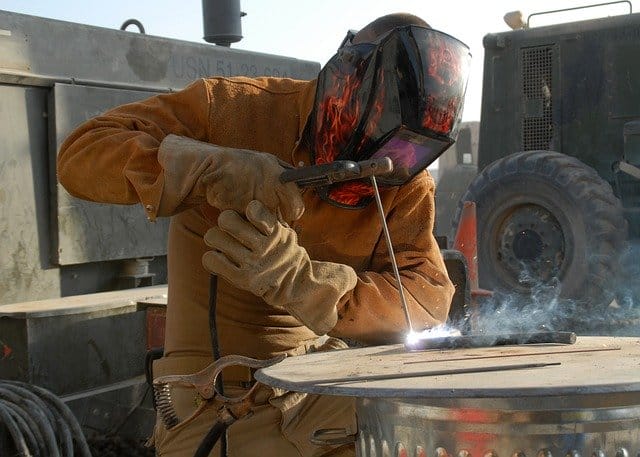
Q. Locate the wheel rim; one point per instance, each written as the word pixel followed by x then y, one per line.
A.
pixel 529 246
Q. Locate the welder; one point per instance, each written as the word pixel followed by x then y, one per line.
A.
pixel 292 265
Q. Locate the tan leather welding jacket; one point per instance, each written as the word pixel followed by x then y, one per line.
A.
pixel 113 158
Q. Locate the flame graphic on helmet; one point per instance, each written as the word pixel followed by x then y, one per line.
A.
pixel 442 111
pixel 339 115
pixel 420 74
pixel 341 112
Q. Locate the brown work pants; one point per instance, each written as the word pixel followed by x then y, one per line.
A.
pixel 280 425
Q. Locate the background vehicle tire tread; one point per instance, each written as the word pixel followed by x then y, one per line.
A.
pixel 588 200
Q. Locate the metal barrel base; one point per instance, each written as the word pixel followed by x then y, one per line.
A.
pixel 580 426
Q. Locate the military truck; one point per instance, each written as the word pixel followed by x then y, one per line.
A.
pixel 558 195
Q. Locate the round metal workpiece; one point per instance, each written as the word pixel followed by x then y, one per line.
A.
pixel 593 365
pixel 528 400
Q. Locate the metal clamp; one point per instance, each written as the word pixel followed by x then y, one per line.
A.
pixel 338 171
pixel 204 383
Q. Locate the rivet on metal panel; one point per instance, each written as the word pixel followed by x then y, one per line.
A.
pixel 544 453
pixel 420 452
pixel 464 453
pixel 622 452
pixel 441 452
pixel 598 453
pixel 573 453
pixel 518 454
pixel 490 453
pixel 401 451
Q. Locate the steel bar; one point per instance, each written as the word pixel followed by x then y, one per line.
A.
pixel 520 354
pixel 421 374
pixel 579 8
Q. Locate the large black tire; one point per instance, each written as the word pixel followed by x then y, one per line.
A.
pixel 547 219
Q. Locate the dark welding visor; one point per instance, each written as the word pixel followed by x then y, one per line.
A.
pixel 400 97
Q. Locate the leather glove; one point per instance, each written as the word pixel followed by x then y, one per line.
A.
pixel 261 255
pixel 228 178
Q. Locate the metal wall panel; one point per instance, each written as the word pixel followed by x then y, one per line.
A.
pixel 69 353
pixel 36 49
pixel 73 344
pixel 44 231
pixel 93 232
pixel 25 270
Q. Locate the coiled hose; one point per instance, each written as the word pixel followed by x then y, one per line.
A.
pixel 39 423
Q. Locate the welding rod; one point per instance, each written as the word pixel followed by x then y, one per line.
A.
pixel 394 264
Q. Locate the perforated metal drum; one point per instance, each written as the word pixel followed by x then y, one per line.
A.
pixel 514 401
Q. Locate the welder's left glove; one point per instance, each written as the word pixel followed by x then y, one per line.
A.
pixel 261 255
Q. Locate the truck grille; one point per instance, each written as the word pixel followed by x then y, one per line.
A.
pixel 537 93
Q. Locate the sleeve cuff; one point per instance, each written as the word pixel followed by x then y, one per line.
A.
pixel 183 161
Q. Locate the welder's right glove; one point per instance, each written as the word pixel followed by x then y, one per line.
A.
pixel 227 178
pixel 261 255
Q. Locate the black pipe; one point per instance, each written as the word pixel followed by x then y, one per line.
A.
pixel 222 21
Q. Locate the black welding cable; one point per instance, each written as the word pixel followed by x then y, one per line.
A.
pixel 39 412
pixel 43 419
pixel 31 431
pixel 215 433
pixel 206 445
pixel 26 425
pixel 7 420
pixel 47 445
pixel 65 418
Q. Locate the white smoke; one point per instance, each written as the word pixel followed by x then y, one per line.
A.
pixel 544 309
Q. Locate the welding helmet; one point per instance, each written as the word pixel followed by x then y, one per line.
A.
pixel 399 97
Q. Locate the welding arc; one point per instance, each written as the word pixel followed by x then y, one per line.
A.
pixel 39 423
pixel 490 340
